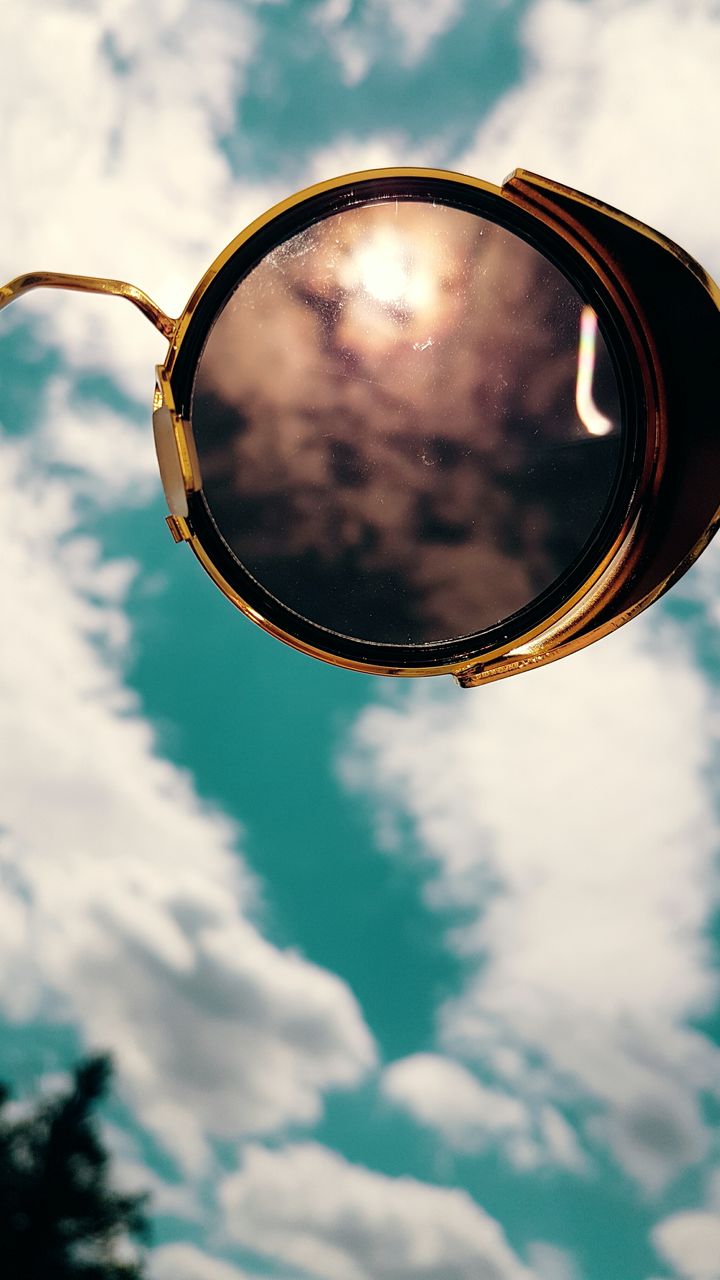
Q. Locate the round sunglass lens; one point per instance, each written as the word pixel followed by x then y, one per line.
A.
pixel 407 422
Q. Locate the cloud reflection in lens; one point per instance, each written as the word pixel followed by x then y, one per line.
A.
pixel 386 419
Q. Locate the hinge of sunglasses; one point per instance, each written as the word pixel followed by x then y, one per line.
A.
pixel 177 458
pixel 179 528
pixel 472 677
pixel 90 284
pixel 577 627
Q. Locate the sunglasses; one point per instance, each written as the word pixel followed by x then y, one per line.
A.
pixel 412 423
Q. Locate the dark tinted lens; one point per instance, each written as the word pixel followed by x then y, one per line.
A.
pixel 402 435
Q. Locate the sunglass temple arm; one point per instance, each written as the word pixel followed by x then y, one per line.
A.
pixel 89 284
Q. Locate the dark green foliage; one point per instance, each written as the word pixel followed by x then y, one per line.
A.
pixel 59 1216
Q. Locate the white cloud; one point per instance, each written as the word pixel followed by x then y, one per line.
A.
pixel 444 1095
pixel 654 1135
pixel 713 1190
pixel 167 1199
pixel 690 1243
pixel 560 1141
pixel 112 114
pixel 419 23
pixel 619 98
pixel 131 1175
pixel 551 1263
pixel 123 901
pixel 351 48
pixel 310 1208
pixel 571 811
pixel 404 29
pixel 112 460
pixel 187 1262
pixel 378 151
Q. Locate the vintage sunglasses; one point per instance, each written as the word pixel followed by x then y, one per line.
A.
pixel 412 423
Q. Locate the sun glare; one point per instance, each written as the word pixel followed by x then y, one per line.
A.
pixel 385 268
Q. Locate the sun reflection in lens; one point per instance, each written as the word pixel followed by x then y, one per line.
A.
pixel 382 268
pixel 386 268
pixel 401 288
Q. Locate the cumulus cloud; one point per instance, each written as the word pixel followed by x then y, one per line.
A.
pixel 405 29
pixel 551 1263
pixel 313 1210
pixel 384 150
pixel 558 1142
pixel 571 813
pixel 111 459
pixel 187 1262
pixel 690 1243
pixel 131 1175
pixel 445 1095
pixel 419 23
pixel 124 905
pixel 98 107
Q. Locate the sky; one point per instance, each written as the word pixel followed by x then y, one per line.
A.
pixel 402 982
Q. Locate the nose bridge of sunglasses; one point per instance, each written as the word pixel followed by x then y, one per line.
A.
pixel 23 284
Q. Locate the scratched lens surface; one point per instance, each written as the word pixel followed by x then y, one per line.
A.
pixel 407 422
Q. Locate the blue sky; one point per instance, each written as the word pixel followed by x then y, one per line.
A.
pixel 402 983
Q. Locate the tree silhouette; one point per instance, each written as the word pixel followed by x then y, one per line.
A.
pixel 60 1218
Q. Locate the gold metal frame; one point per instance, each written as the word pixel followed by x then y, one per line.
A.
pixel 627 578
pixel 89 284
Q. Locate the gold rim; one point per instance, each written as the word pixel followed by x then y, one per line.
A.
pixel 90 284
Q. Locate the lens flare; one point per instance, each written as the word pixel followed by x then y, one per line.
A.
pixel 594 422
